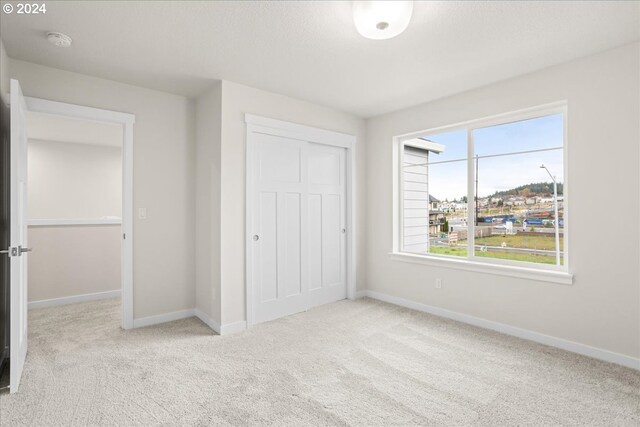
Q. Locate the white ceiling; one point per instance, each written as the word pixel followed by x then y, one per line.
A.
pixel 311 50
pixel 47 127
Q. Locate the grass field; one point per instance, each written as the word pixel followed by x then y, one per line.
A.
pixel 462 252
pixel 448 251
pixel 544 242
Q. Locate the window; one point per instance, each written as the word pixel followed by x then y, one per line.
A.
pixel 490 191
pixel 434 189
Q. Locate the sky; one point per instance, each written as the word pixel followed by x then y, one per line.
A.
pixel 449 180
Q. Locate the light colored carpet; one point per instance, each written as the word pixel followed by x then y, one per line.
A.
pixel 348 363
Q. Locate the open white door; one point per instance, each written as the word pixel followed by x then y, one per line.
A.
pixel 18 237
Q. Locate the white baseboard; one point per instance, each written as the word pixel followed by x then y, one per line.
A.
pixel 586 350
pixel 162 318
pixel 360 294
pixel 207 320
pixel 74 299
pixel 232 328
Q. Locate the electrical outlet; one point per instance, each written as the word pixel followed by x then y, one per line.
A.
pixel 142 213
pixel 438 283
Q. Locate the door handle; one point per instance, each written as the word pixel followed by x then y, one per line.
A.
pixel 11 251
pixel 256 237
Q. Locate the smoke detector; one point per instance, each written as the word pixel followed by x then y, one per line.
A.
pixel 59 39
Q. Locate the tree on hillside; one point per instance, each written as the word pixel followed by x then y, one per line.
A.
pixel 538 188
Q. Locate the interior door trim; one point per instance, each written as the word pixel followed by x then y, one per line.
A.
pixel 263 125
pixel 126 120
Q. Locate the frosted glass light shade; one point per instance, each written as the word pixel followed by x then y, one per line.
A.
pixel 380 20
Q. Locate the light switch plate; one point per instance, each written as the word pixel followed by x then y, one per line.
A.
pixel 142 213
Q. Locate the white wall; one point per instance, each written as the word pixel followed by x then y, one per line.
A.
pixel 164 164
pixel 236 101
pixel 208 148
pixel 73 260
pixel 71 181
pixel 602 307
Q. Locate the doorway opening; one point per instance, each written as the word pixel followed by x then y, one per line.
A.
pixel 69 158
pixel 105 126
pixel 74 209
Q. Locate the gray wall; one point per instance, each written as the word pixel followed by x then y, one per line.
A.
pixel 4 74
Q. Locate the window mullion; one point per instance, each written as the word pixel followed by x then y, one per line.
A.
pixel 470 195
pixel 401 198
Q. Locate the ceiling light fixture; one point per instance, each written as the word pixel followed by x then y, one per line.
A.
pixel 381 20
pixel 59 39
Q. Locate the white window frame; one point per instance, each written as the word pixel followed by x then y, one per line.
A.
pixel 521 269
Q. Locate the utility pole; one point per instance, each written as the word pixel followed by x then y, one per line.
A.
pixel 555 208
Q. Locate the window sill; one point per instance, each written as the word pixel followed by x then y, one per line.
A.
pixel 540 275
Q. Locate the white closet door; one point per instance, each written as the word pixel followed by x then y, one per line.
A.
pixel 280 235
pixel 326 224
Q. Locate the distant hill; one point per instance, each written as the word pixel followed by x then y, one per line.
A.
pixel 534 189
